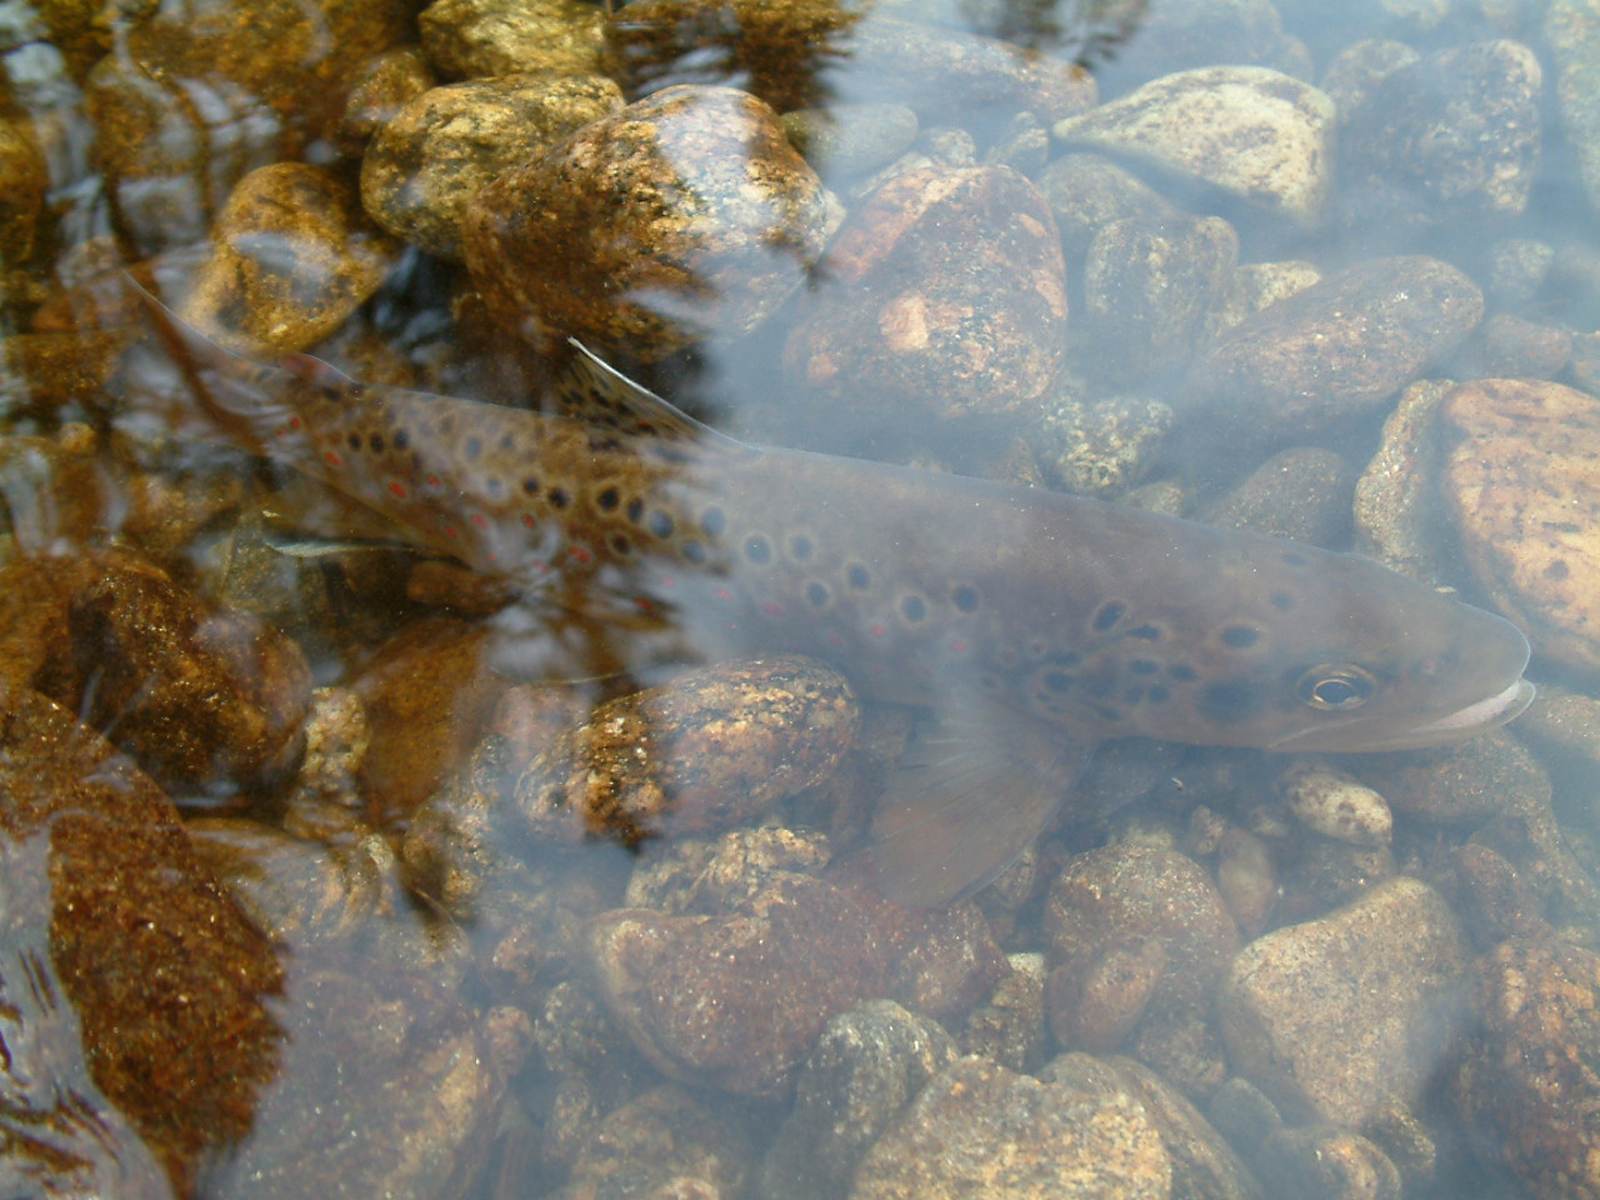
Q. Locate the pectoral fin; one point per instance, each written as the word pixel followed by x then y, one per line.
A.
pixel 966 801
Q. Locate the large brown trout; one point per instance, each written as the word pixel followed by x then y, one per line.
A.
pixel 1034 624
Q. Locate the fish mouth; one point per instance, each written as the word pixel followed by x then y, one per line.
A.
pixel 1478 717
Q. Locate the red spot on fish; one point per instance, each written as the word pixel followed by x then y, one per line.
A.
pixel 723 593
pixel 667 581
pixel 877 630
pixel 331 457
pixel 433 481
pixel 397 489
pixel 835 638
pixel 527 519
pixel 958 646
pixel 772 609
pixel 481 521
pixel 451 532
pixel 294 422
pixel 644 604
pixel 580 554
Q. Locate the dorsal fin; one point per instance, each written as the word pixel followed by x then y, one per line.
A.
pixel 592 390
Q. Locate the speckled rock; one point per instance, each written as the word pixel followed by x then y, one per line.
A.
pixel 944 295
pixel 845 140
pixel 1247 878
pixel 1531 1073
pixel 1396 498
pixel 1260 285
pixel 469 39
pixel 1331 803
pixel 714 220
pixel 203 699
pixel 386 1086
pixel 1338 1015
pixel 1453 136
pixel 1123 896
pixel 1204 1166
pixel 425 167
pixel 1302 493
pixel 278 71
pixel 865 1068
pixel 385 85
pixel 1323 1163
pixel 42 371
pixel 774 49
pixel 661 1144
pixel 1357 71
pixel 1518 268
pixel 1099 448
pixel 23 180
pixel 58 493
pixel 978 1129
pixel 1513 347
pixel 1337 350
pixel 1494 902
pixel 1151 290
pixel 1518 482
pixel 727 742
pixel 291 260
pixel 1253 132
pixel 1572 31
pixel 1087 192
pixel 736 1001
pixel 698 875
pixel 1175 35
pixel 168 980
pixel 428 693
pixel 1009 1028
pixel 1563 722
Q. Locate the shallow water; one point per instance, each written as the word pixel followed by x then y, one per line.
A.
pixel 393 806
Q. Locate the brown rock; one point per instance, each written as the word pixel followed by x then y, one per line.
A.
pixel 1530 1076
pixel 661 1143
pixel 469 39
pixel 1337 1016
pixel 1340 349
pixel 1302 493
pixel 1518 480
pixel 168 979
pixel 23 182
pixel 425 167
pixel 385 85
pixel 945 296
pixel 713 221
pixel 292 259
pixel 979 1129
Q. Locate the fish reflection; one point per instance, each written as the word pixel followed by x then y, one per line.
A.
pixel 1033 624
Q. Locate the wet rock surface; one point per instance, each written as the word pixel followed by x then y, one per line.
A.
pixel 715 221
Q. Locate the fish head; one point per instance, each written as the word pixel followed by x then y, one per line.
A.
pixel 1289 648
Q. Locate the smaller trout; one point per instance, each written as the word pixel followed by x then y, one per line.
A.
pixel 1034 624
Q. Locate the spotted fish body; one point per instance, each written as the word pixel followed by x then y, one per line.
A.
pixel 1035 623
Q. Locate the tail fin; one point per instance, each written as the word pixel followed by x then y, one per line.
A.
pixel 241 394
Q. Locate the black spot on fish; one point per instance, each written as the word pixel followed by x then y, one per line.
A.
pixel 559 498
pixel 376 442
pixel 530 485
pixel 1147 633
pixel 694 552
pixel 1157 694
pixel 1143 666
pixel 1065 658
pixel 402 439
pixel 1106 712
pixel 713 521
pixel 1133 695
pixel 355 441
pixel 1183 673
pixel 800 547
pixel 661 525
pixel 1107 616
pixel 1057 681
pixel 965 597
pixel 508 442
pixel 913 608
pixel 608 499
pixel 621 545
pixel 474 448
pixel 1295 559
pixel 757 549
pixel 1230 701
pixel 858 577
pixel 817 593
pixel 1282 601
pixel 635 510
pixel 1240 637
pixel 494 487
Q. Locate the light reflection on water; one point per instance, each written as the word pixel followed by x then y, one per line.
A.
pixel 484 961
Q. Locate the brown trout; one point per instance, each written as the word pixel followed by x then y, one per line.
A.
pixel 1035 624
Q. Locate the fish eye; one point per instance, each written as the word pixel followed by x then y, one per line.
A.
pixel 1335 688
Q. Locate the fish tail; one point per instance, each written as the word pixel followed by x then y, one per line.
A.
pixel 243 395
